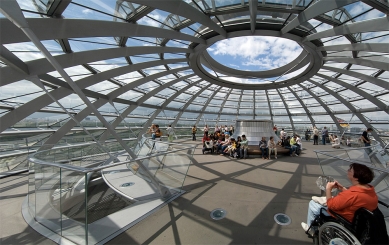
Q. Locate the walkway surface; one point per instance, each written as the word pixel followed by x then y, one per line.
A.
pixel 251 190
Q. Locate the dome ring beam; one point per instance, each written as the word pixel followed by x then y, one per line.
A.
pixel 315 61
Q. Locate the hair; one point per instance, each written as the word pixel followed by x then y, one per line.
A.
pixel 325 127
pixel 363 173
pixel 369 129
pixel 243 135
pixel 157 126
pixel 239 137
pixel 282 129
pixel 271 137
pixel 170 125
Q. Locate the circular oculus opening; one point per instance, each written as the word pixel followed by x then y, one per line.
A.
pixel 255 53
pixel 282 219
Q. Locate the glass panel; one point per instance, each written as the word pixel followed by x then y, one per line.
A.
pixel 69 200
pixel 47 184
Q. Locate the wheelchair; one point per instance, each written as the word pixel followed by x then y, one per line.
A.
pixel 366 228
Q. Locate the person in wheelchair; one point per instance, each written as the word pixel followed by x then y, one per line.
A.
pixel 359 195
pixel 352 217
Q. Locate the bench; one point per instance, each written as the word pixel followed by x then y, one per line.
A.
pixel 255 150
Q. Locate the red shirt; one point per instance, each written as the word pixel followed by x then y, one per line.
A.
pixel 347 202
pixel 206 138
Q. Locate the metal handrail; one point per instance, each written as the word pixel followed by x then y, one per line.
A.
pixel 352 161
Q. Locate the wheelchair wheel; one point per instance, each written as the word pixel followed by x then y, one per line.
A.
pixel 334 233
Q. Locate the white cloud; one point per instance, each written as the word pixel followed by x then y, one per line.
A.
pixel 264 53
pixel 86 11
pixel 150 22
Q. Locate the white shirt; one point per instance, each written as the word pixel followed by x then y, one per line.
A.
pixel 169 130
pixel 282 133
pixel 298 141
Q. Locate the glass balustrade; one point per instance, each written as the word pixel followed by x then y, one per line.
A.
pixel 335 163
pixel 79 192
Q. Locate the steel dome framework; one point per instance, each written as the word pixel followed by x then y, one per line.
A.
pixel 143 61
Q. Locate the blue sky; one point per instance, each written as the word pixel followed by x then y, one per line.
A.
pixel 255 53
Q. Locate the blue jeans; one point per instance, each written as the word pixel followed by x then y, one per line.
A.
pixel 153 136
pixel 291 149
pixel 323 139
pixel 243 153
pixel 314 210
pixel 295 148
pixel 264 152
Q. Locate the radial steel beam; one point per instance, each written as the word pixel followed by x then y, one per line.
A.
pixel 351 107
pixel 384 107
pixel 367 47
pixel 287 110
pixel 13 61
pixel 58 7
pixel 325 107
pixel 12 11
pixel 140 101
pixel 253 6
pixel 41 66
pixel 367 78
pixel 373 25
pixel 206 105
pixel 222 106
pixel 87 111
pixel 188 104
pixel 268 102
pixel 316 9
pixel 303 105
pixel 50 28
pixel 27 109
pixel 183 9
pixel 155 114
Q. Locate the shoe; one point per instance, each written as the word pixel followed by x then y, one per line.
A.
pixel 305 226
pixel 221 154
pixel 275 157
pixel 297 155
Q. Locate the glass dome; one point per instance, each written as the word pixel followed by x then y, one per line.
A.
pixel 106 65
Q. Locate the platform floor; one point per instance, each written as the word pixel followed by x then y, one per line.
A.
pixel 251 190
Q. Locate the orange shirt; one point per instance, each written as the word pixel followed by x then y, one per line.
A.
pixel 347 202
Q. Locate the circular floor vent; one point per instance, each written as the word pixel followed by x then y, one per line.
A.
pixel 127 184
pixel 218 214
pixel 282 219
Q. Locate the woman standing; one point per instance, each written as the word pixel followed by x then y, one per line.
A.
pixel 194 130
pixel 315 136
pixel 206 129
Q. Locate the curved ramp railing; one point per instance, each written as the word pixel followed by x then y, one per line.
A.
pixel 335 163
pixel 77 191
